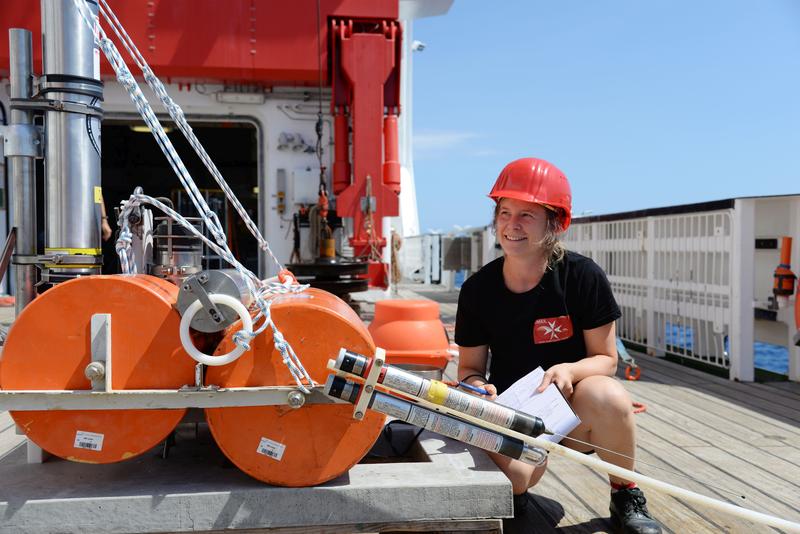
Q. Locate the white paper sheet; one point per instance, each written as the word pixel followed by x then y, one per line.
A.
pixel 550 404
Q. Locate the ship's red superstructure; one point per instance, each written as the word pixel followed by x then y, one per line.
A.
pixel 352 46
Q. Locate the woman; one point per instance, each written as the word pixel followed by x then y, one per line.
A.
pixel 540 305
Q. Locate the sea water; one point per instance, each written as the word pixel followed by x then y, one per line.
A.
pixel 767 356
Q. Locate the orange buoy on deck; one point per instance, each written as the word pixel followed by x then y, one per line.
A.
pixel 281 445
pixel 49 347
pixel 411 333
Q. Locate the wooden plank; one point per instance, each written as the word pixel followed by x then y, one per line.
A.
pixel 787 413
pixel 569 494
pixel 724 417
pixel 785 493
pixel 743 391
pixel 788 453
pixel 689 409
pixel 686 418
pixel 792 387
pixel 737 475
pixel 696 376
pixel 667 429
pixel 591 490
pixel 739 417
pixel 688 374
pixel 723 482
pixel 673 513
pixel 767 390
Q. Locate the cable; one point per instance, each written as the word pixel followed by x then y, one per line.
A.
pixel 654 466
pixel 89 131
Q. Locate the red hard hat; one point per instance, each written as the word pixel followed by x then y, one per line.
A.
pixel 535 180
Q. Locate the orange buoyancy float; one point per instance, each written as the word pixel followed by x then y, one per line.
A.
pixel 49 347
pixel 281 445
pixel 411 333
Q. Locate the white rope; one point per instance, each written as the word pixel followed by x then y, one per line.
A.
pixel 264 293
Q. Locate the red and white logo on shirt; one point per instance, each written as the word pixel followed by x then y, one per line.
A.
pixel 552 329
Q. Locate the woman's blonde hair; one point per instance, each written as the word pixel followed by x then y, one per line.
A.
pixel 554 249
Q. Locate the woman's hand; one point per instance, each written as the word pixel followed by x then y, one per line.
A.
pixel 477 382
pixel 490 389
pixel 561 375
pixel 105 229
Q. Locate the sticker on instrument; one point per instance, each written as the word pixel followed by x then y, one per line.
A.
pixel 98 195
pixel 270 448
pixel 552 329
pixel 89 440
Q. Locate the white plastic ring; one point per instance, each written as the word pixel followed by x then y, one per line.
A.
pixel 186 321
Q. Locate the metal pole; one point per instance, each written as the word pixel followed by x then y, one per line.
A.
pixel 21 168
pixel 71 73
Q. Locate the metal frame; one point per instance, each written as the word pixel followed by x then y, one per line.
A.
pixel 157 399
pixel 370 382
pixel 102 396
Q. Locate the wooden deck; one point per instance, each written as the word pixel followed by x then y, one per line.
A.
pixel 741 438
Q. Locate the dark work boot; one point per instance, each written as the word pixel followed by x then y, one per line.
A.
pixel 629 512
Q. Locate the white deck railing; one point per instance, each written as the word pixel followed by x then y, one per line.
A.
pixel 420 258
pixel 671 276
pixel 686 277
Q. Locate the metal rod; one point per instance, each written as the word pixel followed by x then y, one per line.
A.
pixel 21 168
pixel 26 400
pixel 71 73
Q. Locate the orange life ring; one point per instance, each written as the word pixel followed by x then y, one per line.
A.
pixel 633 373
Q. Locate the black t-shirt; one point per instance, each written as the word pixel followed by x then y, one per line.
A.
pixel 543 326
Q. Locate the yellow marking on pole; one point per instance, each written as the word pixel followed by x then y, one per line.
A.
pixel 75 251
pixel 437 392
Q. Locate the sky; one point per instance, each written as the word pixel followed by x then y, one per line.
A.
pixel 642 103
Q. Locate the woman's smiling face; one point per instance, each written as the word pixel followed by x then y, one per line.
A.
pixel 520 227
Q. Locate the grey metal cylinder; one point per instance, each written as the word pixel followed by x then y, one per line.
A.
pixel 177 253
pixel 68 44
pixel 21 168
pixel 71 72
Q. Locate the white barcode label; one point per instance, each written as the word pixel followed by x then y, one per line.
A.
pixel 89 440
pixel 270 448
